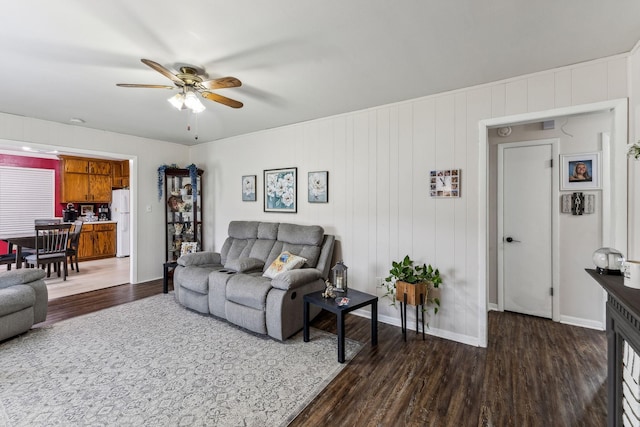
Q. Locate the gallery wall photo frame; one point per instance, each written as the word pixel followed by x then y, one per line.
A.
pixel 318 187
pixel 580 171
pixel 445 183
pixel 281 190
pixel 249 188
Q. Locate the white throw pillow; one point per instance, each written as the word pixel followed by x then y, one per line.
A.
pixel 284 262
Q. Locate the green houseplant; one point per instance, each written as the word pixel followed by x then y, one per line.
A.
pixel 634 150
pixel 414 280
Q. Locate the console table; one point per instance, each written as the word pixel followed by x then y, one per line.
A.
pixel 357 300
pixel 623 348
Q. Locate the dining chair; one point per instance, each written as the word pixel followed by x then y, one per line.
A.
pixel 51 248
pixel 74 244
pixel 8 260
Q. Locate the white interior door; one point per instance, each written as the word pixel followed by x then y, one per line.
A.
pixel 525 267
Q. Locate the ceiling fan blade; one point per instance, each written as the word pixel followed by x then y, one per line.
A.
pixel 159 68
pixel 222 99
pixel 221 83
pixel 144 86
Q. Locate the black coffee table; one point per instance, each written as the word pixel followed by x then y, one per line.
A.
pixel 357 300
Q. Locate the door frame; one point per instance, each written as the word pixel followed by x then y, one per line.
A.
pixel 555 219
pixel 614 227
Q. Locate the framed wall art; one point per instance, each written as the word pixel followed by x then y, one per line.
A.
pixel 445 183
pixel 85 209
pixel 318 187
pixel 280 190
pixel 580 171
pixel 249 188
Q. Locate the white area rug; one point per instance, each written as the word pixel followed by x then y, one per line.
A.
pixel 154 363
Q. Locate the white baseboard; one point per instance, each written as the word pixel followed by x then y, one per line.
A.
pixel 585 323
pixel 452 336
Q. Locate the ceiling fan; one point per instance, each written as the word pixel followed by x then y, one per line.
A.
pixel 190 83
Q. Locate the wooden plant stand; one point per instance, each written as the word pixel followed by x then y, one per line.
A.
pixel 411 294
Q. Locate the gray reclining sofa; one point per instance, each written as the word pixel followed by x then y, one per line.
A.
pixel 230 283
pixel 23 300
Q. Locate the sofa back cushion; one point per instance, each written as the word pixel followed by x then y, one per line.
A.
pixel 266 240
pixel 302 240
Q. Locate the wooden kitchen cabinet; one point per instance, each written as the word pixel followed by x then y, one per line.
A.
pixel 120 174
pixel 85 180
pixel 97 240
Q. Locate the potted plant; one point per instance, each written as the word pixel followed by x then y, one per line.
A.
pixel 634 150
pixel 412 280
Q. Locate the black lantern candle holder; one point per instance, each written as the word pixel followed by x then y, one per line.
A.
pixel 339 275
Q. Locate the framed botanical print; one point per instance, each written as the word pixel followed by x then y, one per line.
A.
pixel 280 190
pixel 318 187
pixel 249 188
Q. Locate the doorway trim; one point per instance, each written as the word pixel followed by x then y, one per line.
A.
pixel 555 220
pixel 614 229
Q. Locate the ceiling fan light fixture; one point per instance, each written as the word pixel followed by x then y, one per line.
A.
pixel 177 101
pixel 192 102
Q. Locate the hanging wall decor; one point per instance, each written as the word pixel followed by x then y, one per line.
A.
pixel 445 183
pixel 580 171
pixel 280 190
pixel 318 187
pixel 249 188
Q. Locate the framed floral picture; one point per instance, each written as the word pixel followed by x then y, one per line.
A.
pixel 249 188
pixel 580 171
pixel 318 189
pixel 280 190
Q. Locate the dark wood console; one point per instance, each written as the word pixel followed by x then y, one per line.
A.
pixel 623 338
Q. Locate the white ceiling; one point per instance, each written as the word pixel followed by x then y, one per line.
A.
pixel 298 59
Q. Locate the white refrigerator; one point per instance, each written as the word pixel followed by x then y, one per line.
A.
pixel 120 214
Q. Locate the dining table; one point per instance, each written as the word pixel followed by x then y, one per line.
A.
pixel 20 241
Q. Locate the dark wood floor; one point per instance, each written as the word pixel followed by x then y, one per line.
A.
pixel 534 372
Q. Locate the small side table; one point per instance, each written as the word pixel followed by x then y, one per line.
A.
pixel 357 300
pixel 165 278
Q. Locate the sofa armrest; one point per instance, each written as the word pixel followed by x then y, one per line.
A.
pixel 244 265
pixel 295 278
pixel 20 276
pixel 199 258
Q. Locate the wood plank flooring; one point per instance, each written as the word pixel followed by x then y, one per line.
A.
pixel 534 372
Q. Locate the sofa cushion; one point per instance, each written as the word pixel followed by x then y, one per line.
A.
pixel 243 229
pixel 301 234
pixel 284 262
pixel 16 298
pixel 268 230
pixel 247 290
pixel 242 265
pixel 193 278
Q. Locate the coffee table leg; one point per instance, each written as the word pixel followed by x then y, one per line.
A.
pixel 374 323
pixel 341 337
pixel 305 329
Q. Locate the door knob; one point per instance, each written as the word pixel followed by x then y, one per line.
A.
pixel 511 239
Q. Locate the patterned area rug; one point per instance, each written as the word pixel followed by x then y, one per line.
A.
pixel 152 362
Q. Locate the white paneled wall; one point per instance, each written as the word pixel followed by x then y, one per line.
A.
pixel 378 162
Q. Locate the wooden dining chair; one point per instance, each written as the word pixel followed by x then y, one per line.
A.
pixel 51 248
pixel 8 259
pixel 74 244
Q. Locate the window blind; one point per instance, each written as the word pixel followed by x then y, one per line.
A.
pixel 25 195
